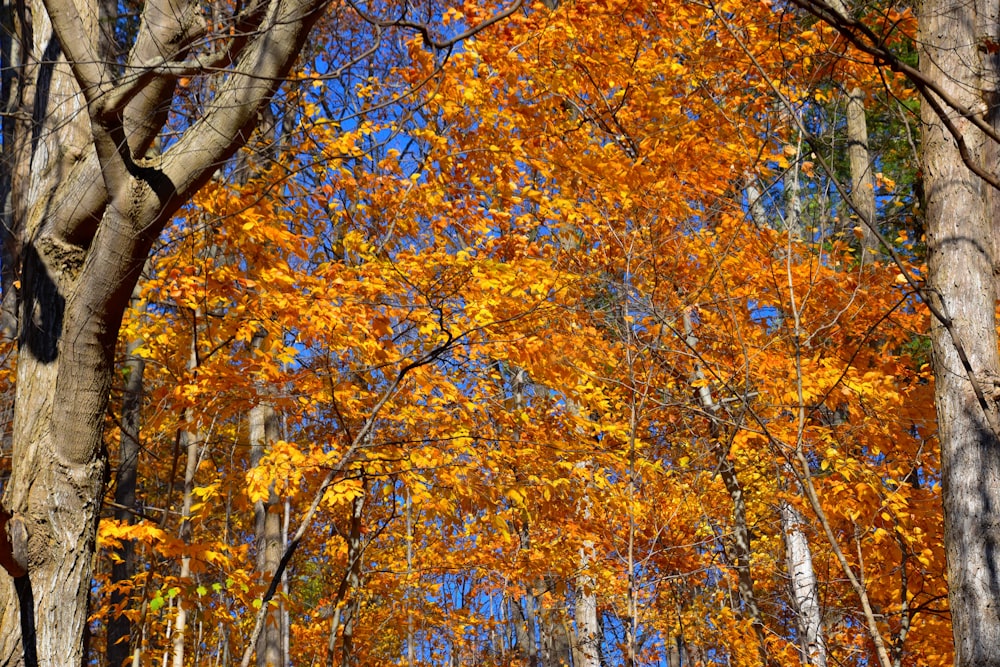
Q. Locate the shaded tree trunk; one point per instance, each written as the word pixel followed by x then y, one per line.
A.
pixel 121 641
pixel 84 207
pixel 961 287
pixel 264 432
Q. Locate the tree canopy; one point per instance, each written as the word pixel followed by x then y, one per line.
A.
pixel 457 333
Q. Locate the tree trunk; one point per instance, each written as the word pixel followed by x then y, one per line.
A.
pixel 264 432
pixel 862 180
pixel 961 286
pixel 523 615
pixel 355 552
pixel 191 440
pixel 121 642
pixel 588 634
pixel 805 592
pixel 84 207
pixel 792 187
pixel 862 176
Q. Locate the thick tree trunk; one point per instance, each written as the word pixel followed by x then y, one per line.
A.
pixel 961 286
pixel 84 206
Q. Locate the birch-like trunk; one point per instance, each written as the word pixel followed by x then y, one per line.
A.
pixel 588 631
pixel 805 590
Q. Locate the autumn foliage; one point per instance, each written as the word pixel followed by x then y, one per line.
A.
pixel 548 318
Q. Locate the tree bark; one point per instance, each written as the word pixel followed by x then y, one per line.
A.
pixel 805 591
pixel 85 204
pixel 263 433
pixel 121 642
pixel 862 179
pixel 588 632
pixel 961 287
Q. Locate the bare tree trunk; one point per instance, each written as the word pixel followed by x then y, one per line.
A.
pixel 960 239
pixel 792 188
pixel 85 205
pixel 862 180
pixel 588 632
pixel 523 616
pixel 264 432
pixel 191 442
pixel 805 591
pixel 121 641
pixel 755 201
pixel 557 647
pixel 355 550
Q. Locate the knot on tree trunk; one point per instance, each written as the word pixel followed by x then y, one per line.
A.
pixel 13 544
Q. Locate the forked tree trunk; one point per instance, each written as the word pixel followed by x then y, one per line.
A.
pixel 85 205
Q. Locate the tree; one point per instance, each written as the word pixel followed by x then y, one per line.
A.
pixel 959 59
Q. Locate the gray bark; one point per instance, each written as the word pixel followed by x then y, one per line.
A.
pixel 121 641
pixel 264 432
pixel 961 257
pixel 793 201
pixel 859 155
pixel 862 179
pixel 755 202
pixel 84 206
